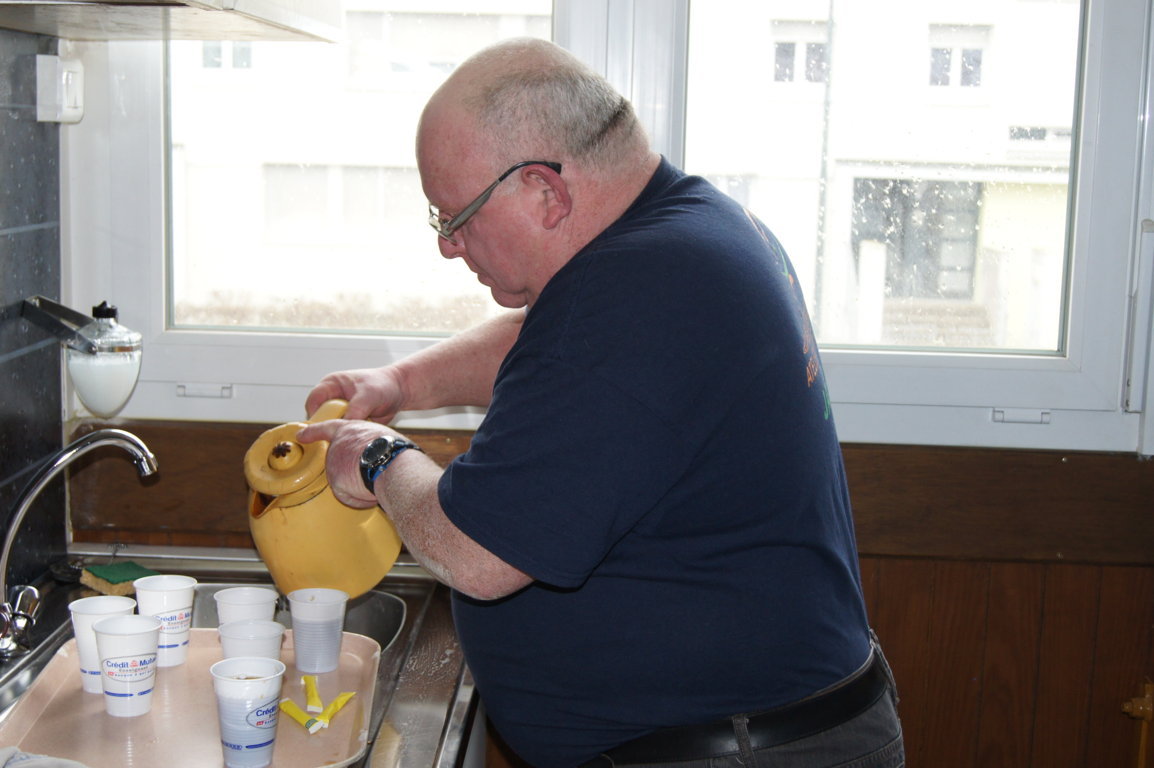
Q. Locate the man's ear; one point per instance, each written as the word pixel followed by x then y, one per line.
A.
pixel 558 203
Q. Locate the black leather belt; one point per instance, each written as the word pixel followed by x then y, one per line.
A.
pixel 766 729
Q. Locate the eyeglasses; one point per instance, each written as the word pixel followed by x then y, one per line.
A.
pixel 447 226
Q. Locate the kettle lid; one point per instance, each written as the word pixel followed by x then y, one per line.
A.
pixel 276 464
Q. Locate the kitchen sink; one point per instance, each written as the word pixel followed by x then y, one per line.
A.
pixel 423 704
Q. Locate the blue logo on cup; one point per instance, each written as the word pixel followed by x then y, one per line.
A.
pixel 263 716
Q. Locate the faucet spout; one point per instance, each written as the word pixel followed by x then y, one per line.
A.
pixel 142 458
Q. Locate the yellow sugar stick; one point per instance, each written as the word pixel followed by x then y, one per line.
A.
pixel 290 708
pixel 312 696
pixel 335 706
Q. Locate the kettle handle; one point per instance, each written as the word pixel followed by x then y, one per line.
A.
pixel 329 409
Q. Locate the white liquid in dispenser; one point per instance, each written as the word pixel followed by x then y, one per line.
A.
pixel 104 381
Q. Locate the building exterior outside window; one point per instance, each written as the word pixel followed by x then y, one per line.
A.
pixel 918 206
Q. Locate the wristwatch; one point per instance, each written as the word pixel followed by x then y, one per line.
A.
pixel 378 454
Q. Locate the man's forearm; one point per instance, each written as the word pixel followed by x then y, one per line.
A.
pixel 461 369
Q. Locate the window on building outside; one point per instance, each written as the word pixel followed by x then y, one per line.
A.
pixel 956 53
pixel 799 50
pixel 816 62
pixel 783 64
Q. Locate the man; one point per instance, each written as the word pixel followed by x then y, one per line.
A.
pixel 649 539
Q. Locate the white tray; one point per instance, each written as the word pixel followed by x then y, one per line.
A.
pixel 56 717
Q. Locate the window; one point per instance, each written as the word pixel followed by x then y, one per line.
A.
pixel 973 273
pixel 816 62
pixel 784 54
pixel 946 255
pixel 913 222
pixel 214 53
pixel 799 47
pixel 956 52
pixel 320 181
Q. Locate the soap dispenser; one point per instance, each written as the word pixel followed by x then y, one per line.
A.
pixel 104 379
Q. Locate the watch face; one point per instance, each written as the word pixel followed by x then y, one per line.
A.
pixel 379 449
pixel 378 454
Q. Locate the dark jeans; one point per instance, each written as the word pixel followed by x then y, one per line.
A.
pixel 872 739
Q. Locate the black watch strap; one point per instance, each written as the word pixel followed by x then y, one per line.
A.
pixel 378 454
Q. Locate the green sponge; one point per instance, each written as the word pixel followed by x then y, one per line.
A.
pixel 114 578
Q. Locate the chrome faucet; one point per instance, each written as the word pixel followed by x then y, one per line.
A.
pixel 17 612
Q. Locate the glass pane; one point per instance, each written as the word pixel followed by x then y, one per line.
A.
pixel 296 203
pixel 921 185
pixel 783 62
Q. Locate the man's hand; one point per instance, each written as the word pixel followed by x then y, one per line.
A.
pixel 347 440
pixel 372 393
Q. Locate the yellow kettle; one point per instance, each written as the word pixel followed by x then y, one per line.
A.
pixel 305 536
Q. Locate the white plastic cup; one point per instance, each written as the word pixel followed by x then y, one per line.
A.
pixel 85 612
pixel 238 603
pixel 127 648
pixel 318 619
pixel 247 703
pixel 251 637
pixel 169 598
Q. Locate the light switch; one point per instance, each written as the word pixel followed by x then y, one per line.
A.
pixel 59 90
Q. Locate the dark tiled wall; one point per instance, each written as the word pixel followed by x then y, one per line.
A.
pixel 30 407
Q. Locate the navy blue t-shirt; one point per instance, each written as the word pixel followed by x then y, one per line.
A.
pixel 660 456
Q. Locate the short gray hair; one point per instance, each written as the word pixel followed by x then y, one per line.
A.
pixel 550 106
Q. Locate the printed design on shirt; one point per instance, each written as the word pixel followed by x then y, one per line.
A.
pixel 813 372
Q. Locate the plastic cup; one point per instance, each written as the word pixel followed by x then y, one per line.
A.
pixel 251 637
pixel 237 603
pixel 318 618
pixel 85 612
pixel 247 698
pixel 168 597
pixel 127 648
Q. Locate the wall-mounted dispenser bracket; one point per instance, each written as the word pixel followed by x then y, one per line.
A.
pixel 63 322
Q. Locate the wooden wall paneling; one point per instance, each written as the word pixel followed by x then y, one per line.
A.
pixel 982 504
pixel 1066 665
pixel 956 642
pixel 198 498
pixel 901 618
pixel 1122 663
pixel 1010 665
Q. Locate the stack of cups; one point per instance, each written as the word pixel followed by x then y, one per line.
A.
pixel 318 618
pixel 169 598
pixel 247 699
pixel 86 612
pixel 246 622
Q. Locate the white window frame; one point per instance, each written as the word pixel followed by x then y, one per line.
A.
pixel 1092 397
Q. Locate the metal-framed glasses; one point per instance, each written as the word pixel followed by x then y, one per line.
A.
pixel 446 226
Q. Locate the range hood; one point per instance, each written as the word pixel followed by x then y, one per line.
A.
pixel 306 20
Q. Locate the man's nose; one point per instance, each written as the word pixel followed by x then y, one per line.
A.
pixel 450 250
